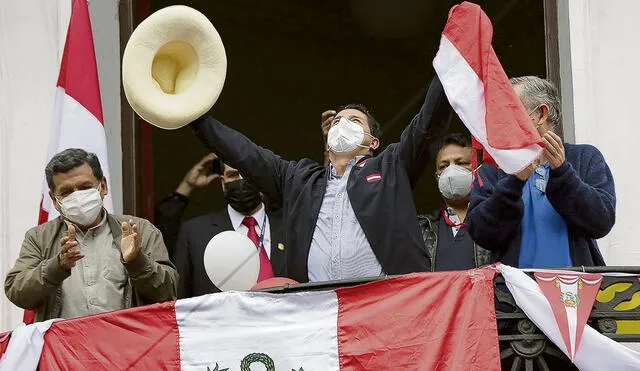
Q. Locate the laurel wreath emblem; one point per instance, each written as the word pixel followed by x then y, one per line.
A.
pixel 250 359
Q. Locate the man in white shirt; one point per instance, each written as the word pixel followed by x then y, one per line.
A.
pixel 246 214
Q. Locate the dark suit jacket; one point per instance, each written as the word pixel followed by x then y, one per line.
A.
pixel 193 238
pixel 380 188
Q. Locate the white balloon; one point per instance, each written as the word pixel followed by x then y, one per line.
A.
pixel 231 261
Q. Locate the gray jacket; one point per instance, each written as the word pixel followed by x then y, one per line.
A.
pixel 36 278
pixel 429 228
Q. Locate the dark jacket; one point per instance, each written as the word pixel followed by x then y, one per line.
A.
pixel 429 227
pixel 168 218
pixel 170 210
pixel 383 206
pixel 581 191
pixel 193 239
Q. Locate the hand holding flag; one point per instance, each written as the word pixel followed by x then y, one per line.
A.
pixel 480 92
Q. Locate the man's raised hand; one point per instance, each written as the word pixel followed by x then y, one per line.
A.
pixel 326 119
pixel 198 176
pixel 130 243
pixel 553 149
pixel 69 253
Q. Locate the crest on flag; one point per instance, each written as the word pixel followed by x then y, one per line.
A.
pixel 252 358
pixel 571 296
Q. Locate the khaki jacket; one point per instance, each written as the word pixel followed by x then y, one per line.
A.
pixel 36 278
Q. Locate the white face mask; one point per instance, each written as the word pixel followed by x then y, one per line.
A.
pixel 345 136
pixel 82 207
pixel 455 182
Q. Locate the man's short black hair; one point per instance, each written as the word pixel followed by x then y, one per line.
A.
pixel 460 139
pixel 70 159
pixel 374 126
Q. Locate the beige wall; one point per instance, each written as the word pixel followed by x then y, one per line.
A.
pixel 600 58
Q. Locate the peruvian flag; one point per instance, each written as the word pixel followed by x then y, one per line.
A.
pixel 590 352
pixel 421 321
pixel 77 112
pixel 571 296
pixel 480 92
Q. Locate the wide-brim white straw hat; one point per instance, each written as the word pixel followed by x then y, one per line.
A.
pixel 173 67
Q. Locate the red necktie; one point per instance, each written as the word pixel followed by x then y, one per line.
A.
pixel 266 271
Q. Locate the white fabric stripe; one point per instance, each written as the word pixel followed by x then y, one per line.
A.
pixel 596 352
pixel 556 271
pixel 572 315
pixel 546 279
pixel 465 92
pixel 25 347
pixel 295 330
pixel 75 127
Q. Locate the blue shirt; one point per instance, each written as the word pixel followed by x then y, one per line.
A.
pixel 339 248
pixel 545 238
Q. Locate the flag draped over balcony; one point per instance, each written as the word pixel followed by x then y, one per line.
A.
pixel 592 351
pixel 443 321
pixel 438 321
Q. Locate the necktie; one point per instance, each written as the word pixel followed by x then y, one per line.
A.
pixel 266 271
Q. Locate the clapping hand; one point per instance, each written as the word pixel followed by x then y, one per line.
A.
pixel 69 252
pixel 130 243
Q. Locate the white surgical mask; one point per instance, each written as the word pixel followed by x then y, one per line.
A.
pixel 455 182
pixel 345 136
pixel 82 207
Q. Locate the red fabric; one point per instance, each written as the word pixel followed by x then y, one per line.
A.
pixel 78 76
pixel 588 287
pixel 78 69
pixel 266 270
pixel 274 282
pixel 4 341
pixel 422 321
pixel 29 316
pixel 445 216
pixel 43 216
pixel 142 338
pixel 508 126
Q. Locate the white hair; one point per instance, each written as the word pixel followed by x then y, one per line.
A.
pixel 536 91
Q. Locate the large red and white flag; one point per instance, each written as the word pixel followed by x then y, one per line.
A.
pixel 77 114
pixel 437 321
pixel 595 352
pixel 479 90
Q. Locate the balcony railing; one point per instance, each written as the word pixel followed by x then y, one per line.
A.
pixel 615 314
